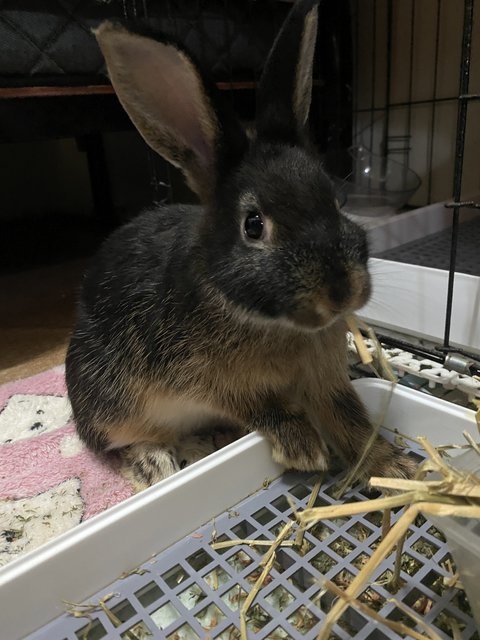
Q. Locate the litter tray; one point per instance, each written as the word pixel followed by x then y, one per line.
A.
pixel 175 586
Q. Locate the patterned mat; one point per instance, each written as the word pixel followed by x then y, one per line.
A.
pixel 49 482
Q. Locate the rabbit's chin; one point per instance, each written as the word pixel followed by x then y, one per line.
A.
pixel 298 321
pixel 313 322
pixel 318 317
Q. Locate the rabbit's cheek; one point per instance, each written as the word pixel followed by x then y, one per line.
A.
pixel 308 318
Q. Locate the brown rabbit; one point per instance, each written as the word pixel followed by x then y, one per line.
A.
pixel 231 313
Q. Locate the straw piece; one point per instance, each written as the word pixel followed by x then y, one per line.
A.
pixel 385 366
pixel 386 372
pixel 355 508
pixel 455 494
pixel 353 473
pixel 139 571
pixel 365 356
pixel 391 624
pixel 225 544
pixel 86 610
pixel 358 583
pixel 276 543
pixel 471 442
pixel 457 634
pixel 386 522
pixel 441 466
pixel 311 501
pixel 396 581
pixel 431 633
pixel 477 414
pixel 252 595
pixel 77 610
pixel 438 486
pixel 458 511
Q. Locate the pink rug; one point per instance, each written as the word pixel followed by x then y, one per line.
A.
pixel 49 482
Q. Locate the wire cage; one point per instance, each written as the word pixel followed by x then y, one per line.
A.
pixel 394 112
pixel 415 132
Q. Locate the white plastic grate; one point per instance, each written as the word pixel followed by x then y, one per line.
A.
pixel 191 591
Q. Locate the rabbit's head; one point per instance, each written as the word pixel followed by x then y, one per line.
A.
pixel 274 243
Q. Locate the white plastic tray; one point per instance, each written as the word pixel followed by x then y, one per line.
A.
pixel 82 561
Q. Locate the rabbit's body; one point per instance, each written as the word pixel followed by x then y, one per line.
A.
pixel 161 354
pixel 231 314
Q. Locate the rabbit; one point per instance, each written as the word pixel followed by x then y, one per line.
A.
pixel 231 313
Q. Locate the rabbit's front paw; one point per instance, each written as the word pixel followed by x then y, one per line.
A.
pixel 195 447
pixel 398 465
pixel 388 461
pixel 149 463
pixel 313 457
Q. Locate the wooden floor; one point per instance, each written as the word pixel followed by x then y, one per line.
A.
pixel 37 314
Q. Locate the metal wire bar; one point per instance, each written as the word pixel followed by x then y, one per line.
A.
pixel 356 72
pixel 410 79
pixel 434 104
pixel 417 350
pixel 373 63
pixel 459 152
pixel 387 85
pixel 414 103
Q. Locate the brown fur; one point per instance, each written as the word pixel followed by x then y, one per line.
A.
pixel 290 385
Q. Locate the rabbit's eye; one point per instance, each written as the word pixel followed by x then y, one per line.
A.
pixel 254 225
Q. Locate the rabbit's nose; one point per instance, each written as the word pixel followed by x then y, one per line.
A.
pixel 339 286
pixel 350 289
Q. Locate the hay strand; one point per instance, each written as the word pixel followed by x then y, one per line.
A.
pixel 398 627
pixel 363 353
pixel 354 472
pixel 311 502
pixel 431 633
pixel 225 544
pixel 355 508
pixel 358 583
pixel 252 595
pixel 277 542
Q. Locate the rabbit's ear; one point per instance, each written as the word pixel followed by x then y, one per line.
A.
pixel 285 91
pixel 163 93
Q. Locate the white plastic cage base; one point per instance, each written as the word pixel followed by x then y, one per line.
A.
pixel 84 560
pixel 412 300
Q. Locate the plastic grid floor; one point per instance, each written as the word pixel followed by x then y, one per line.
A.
pixel 434 250
pixel 190 591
